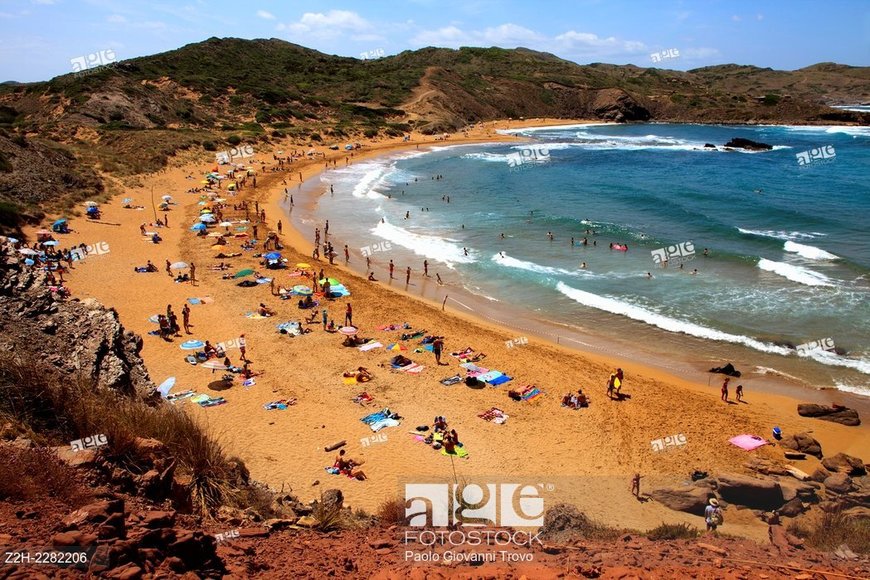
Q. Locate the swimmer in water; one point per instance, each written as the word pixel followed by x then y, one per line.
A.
pixel 583 265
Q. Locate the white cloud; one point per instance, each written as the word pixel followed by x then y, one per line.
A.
pixel 736 18
pixel 591 45
pixel 759 16
pixel 506 35
pixel 700 53
pixel 265 15
pixel 329 25
pixel 116 19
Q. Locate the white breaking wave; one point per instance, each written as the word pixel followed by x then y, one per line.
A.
pixel 772 371
pixel 829 129
pixel 492 157
pixel 780 234
pixel 551 128
pixel 809 252
pixel 795 273
pixel 850 388
pixel 366 185
pixel 529 266
pixel 833 359
pixel 443 250
pixel 665 322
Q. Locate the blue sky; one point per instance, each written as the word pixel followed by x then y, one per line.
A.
pixel 39 37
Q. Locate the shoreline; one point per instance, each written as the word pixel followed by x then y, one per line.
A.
pixel 555 332
pixel 597 447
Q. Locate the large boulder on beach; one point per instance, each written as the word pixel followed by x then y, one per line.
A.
pixel 691 500
pixel 804 443
pixel 753 492
pixel 839 483
pixel 835 413
pixel 748 144
pixel 843 463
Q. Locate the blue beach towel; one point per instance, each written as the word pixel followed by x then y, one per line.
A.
pixel 499 380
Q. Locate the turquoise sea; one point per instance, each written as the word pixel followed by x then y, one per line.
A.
pixel 787 243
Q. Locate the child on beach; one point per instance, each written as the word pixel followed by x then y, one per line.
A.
pixel 725 390
pixel 740 393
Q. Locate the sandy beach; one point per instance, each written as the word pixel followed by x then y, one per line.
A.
pixel 588 455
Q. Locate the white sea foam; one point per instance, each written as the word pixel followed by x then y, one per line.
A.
pixel 829 129
pixel 492 157
pixel 365 186
pixel 551 128
pixel 852 388
pixel 615 306
pixel 809 252
pixel 833 359
pixel 443 250
pixel 773 371
pixel 794 273
pixel 780 234
pixel 530 266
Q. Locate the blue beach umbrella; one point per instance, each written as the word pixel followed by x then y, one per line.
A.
pixel 192 345
pixel 272 256
pixel 199 227
pixel 28 262
pixel 60 222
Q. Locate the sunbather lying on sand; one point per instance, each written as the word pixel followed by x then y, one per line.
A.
pixel 220 267
pixel 362 375
pixel 401 361
pixel 313 318
pixel 232 255
pixel 355 341
pixel 264 310
pixel 347 466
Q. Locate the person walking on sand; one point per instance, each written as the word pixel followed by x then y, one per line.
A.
pixel 635 485
pixel 740 393
pixel 279 227
pixel 391 269
pixel 438 278
pixel 193 274
pixel 348 315
pixel 437 347
pixel 725 389
pixel 611 384
pixel 243 348
pixel 346 254
pixel 426 268
pixel 168 269
pixel 185 318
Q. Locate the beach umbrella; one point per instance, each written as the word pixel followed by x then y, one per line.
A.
pixel 397 347
pixel 192 345
pixel 332 281
pixel 28 262
pixel 214 365
pixel 303 290
pixel 50 243
pixel 215 235
pixel 60 222
pixel 12 240
pixel 198 227
pixel 207 218
pixel 272 256
pixel 243 273
pixel 91 204
pixel 28 252
pixel 179 266
pixel 167 198
pixel 225 224
pixel 166 386
pixel 303 265
pixel 348 330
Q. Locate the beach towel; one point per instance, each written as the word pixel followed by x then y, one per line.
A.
pixel 263 280
pixel 279 405
pixel 494 415
pixel 179 396
pixel 463 353
pixel 348 380
pixel 154 319
pixel 291 328
pixel 191 359
pixel 747 442
pixel 451 380
pixel 194 300
pixel 363 398
pixel 530 393
pixel 381 420
pixel 473 368
pixel 332 470
pixel 255 316
pixel 458 451
pixel 500 380
pixel 213 402
pixel 370 346
pixel 489 376
pixel 391 327
pixel 249 383
pixel 413 369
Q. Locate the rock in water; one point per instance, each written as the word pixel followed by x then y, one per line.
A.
pixel 748 144
pixel 835 413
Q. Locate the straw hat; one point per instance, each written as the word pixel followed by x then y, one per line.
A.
pixel 714 502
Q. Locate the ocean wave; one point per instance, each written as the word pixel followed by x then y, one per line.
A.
pixel 809 252
pixel 773 371
pixel 795 273
pixel 829 129
pixel 550 128
pixel 510 262
pixel 852 388
pixel 372 174
pixel 491 157
pixel 443 250
pixel 664 322
pixel 780 234
pixel 833 359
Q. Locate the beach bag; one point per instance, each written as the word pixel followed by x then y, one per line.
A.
pixel 471 381
pixel 716 518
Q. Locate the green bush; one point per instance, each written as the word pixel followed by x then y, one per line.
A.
pixel 371 132
pixel 5 164
pixel 673 532
pixel 234 139
pixel 771 100
pixel 316 137
pixel 209 146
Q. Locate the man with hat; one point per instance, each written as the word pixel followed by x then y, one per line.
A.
pixel 713 515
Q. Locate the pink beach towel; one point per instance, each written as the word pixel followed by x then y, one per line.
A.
pixel 747 442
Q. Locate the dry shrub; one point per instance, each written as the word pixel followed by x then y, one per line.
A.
pixel 830 530
pixel 673 532
pixel 391 512
pixel 28 474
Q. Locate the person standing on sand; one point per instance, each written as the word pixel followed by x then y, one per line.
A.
pixel 635 485
pixel 725 390
pixel 391 269
pixel 426 268
pixel 325 318
pixel 408 276
pixel 168 269
pixel 185 318
pixel 713 515
pixel 243 348
pixel 437 347
pixel 740 393
pixel 611 384
pixel 192 274
pixel 279 227
pixel 348 315
pixel 346 254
